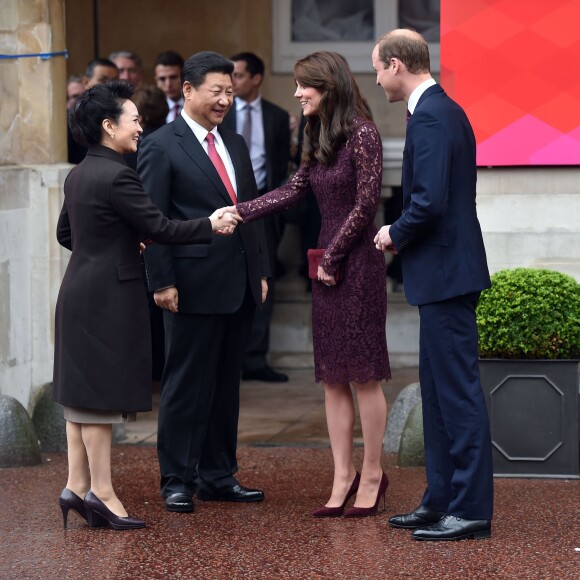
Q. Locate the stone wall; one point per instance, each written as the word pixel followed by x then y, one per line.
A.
pixel 529 217
pixel 31 267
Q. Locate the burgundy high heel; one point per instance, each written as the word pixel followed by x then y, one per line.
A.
pixel 95 508
pixel 358 512
pixel 335 512
pixel 68 499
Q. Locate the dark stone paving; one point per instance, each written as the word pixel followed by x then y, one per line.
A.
pixel 535 535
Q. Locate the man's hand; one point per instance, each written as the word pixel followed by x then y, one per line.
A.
pixel 225 220
pixel 326 279
pixel 383 240
pixel 264 290
pixel 167 299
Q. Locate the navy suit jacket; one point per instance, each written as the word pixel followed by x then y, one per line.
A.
pixel 182 181
pixel 438 235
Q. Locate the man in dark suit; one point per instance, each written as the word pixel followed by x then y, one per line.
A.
pixel 266 129
pixel 208 292
pixel 168 67
pixel 444 267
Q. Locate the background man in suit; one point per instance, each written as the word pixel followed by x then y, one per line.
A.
pixel 208 292
pixel 168 67
pixel 99 71
pixel 266 129
pixel 444 268
pixel 129 65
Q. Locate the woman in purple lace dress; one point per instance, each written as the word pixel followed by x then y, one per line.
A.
pixel 342 166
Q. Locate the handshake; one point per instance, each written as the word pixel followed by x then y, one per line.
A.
pixel 224 220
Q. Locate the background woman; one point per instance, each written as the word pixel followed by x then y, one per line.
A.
pixel 102 363
pixel 152 106
pixel 342 165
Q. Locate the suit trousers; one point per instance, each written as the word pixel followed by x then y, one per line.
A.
pixel 458 454
pixel 200 398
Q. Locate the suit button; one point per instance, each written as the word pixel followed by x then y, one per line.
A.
pixel 242 250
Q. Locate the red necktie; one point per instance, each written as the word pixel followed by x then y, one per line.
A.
pixel 408 115
pixel 176 111
pixel 219 165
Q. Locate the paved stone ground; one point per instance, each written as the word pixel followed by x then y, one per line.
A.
pixel 536 530
pixel 284 450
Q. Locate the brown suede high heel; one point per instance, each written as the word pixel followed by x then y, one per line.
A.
pixel 358 512
pixel 69 499
pixel 335 512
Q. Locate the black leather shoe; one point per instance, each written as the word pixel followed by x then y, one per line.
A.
pixel 266 374
pixel 453 528
pixel 236 493
pixel 179 502
pixel 422 516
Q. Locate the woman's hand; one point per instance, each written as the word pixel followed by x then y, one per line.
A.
pixel 264 289
pixel 326 279
pixel 225 220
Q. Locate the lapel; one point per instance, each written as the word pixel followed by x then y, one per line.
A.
pixel 196 152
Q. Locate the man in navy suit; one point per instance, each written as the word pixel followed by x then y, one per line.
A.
pixel 444 270
pixel 208 292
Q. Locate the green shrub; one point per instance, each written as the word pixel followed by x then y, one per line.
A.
pixel 530 314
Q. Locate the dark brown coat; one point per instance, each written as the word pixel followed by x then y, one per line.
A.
pixel 102 336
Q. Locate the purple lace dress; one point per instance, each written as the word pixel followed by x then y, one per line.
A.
pixel 348 320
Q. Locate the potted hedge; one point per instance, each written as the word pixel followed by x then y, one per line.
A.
pixel 529 345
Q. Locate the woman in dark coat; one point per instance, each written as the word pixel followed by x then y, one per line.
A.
pixel 102 363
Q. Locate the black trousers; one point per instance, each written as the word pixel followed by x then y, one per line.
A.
pixel 200 399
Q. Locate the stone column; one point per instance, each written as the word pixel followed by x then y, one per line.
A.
pixel 33 90
pixel 32 171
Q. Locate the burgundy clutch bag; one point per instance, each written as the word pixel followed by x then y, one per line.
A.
pixel 314 259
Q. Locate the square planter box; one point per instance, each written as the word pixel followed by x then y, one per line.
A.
pixel 534 413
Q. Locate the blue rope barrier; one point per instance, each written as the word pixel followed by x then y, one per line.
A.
pixel 41 55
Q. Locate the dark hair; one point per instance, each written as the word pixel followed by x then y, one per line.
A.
pixel 152 106
pixel 411 49
pixel 169 58
pixel 340 104
pixel 198 66
pixel 93 106
pixel 126 54
pixel 254 63
pixel 90 70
